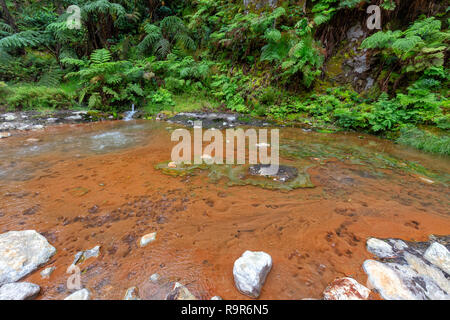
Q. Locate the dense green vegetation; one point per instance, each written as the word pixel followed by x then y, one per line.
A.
pixel 265 61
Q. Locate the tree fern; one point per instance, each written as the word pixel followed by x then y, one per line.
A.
pixel 22 39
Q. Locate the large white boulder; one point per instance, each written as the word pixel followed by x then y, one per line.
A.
pixel 22 252
pixel 19 291
pixel 250 272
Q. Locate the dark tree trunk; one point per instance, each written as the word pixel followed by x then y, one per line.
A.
pixel 8 17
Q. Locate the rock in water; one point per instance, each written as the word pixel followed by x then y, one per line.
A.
pixel 22 252
pixel 132 294
pixel 346 289
pixel 19 291
pixel 46 273
pixel 180 292
pixel 82 294
pixel 148 238
pixel 250 272
pixel 82 256
pixel 438 255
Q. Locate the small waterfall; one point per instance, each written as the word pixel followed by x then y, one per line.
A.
pixel 129 114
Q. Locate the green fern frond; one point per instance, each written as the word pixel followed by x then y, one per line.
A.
pixel 100 56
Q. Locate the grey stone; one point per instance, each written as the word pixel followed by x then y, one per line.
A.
pixel 250 272
pixel 22 252
pixel 19 291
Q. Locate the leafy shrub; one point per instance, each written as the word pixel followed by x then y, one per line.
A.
pixel 38 97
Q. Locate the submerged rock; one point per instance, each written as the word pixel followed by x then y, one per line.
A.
pixel 180 292
pixel 250 272
pixel 155 278
pixel 215 120
pixel 22 252
pixel 19 291
pixel 284 173
pixel 83 294
pixel 82 256
pixel 5 135
pixel 346 289
pixel 148 238
pixel 132 294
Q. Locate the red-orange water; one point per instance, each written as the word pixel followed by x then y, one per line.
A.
pixel 313 235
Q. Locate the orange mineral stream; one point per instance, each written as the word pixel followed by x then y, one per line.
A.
pixel 95 184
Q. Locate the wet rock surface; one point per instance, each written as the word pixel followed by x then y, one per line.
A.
pixel 283 174
pixel 216 120
pixel 346 289
pixel 180 292
pixel 82 256
pixel 34 120
pixel 19 291
pixel 250 272
pixel 22 252
pixel 409 270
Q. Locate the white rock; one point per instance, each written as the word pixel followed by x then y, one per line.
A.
pixel 216 298
pixel 9 117
pixel 346 289
pixel 73 118
pixel 82 294
pixel 46 273
pixel 148 238
pixel 155 278
pixel 22 252
pixel 380 248
pixel 250 272
pixel 19 291
pixel 429 274
pixel 438 255
pixel 386 281
pixel 5 135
